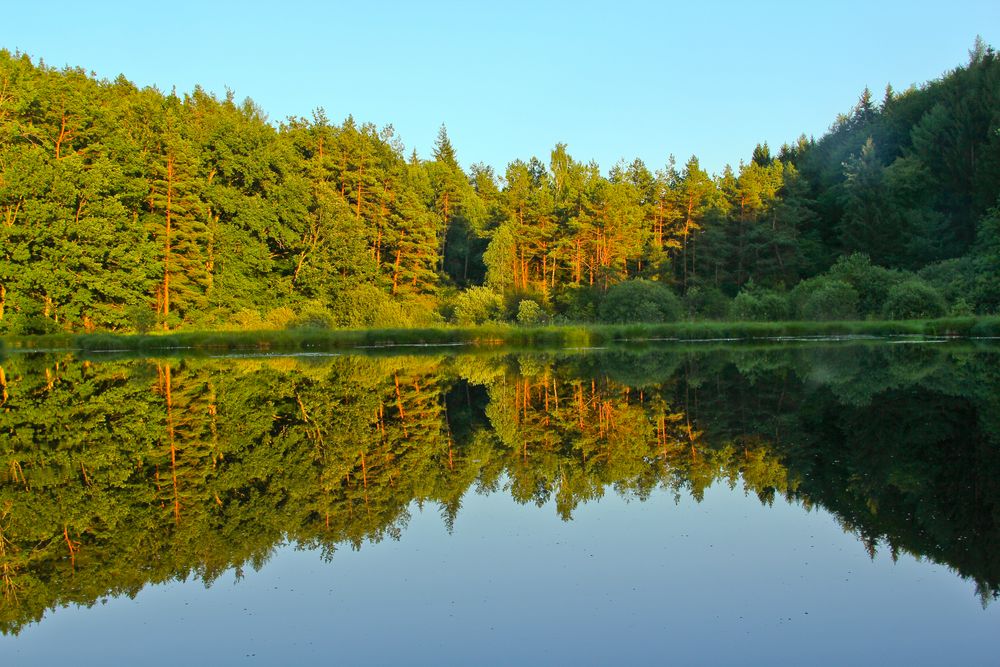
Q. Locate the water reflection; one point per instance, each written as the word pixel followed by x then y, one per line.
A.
pixel 121 473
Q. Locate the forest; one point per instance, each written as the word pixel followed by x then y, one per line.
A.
pixel 121 473
pixel 126 209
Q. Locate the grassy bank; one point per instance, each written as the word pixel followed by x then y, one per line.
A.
pixel 319 340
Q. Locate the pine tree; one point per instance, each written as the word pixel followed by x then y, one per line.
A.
pixel 179 221
pixel 867 225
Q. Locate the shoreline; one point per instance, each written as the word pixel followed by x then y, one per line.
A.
pixel 508 336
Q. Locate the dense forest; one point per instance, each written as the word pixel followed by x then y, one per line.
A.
pixel 128 209
pixel 120 473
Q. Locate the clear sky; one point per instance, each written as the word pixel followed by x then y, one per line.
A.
pixel 615 79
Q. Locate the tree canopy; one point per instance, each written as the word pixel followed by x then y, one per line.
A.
pixel 127 209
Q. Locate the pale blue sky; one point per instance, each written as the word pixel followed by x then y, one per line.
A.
pixel 611 79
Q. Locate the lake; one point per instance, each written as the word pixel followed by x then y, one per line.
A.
pixel 824 502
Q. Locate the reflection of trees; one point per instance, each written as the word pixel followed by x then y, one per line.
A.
pixel 147 471
pixel 898 441
pixel 119 474
pixel 570 438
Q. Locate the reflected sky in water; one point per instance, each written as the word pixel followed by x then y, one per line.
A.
pixel 727 580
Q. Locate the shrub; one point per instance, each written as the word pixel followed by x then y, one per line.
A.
pixel 953 278
pixel 512 299
pixel 986 253
pixel 707 303
pixel 872 283
pixel 419 311
pixel 745 307
pixel 640 301
pixel 913 300
pixel 280 318
pixel 961 308
pixel 774 306
pixel 757 304
pixel 367 306
pixel 830 300
pixel 32 325
pixel 140 317
pixel 244 320
pixel 313 315
pixel 577 303
pixel 529 313
pixel 477 305
pixel 764 306
pixel 446 302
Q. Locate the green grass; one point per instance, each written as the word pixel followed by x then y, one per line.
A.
pixel 495 335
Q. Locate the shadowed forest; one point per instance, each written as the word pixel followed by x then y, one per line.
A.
pixel 116 474
pixel 127 210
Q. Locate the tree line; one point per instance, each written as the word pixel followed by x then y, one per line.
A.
pixel 128 209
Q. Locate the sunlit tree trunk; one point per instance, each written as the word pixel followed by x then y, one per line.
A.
pixel 396 266
pixel 64 134
pixel 166 243
pixel 361 173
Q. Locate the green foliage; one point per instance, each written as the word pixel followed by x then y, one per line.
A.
pixel 986 263
pixel 130 210
pixel 141 318
pixel 529 313
pixel 954 278
pixel 640 301
pixel 912 300
pixel 961 308
pixel 32 325
pixel 512 299
pixel 366 306
pixel 868 223
pixel 871 282
pixel 708 303
pixel 760 307
pixel 746 307
pixel 756 304
pixel 578 303
pixel 313 315
pixel 478 305
pixel 827 299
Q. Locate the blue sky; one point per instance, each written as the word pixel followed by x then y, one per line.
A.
pixel 611 79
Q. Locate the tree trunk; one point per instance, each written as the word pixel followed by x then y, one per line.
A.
pixel 10 213
pixel 659 225
pixel 578 263
pixel 361 173
pixel 166 242
pixel 64 134
pixel 395 270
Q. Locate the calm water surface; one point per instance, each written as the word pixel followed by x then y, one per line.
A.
pixel 834 503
